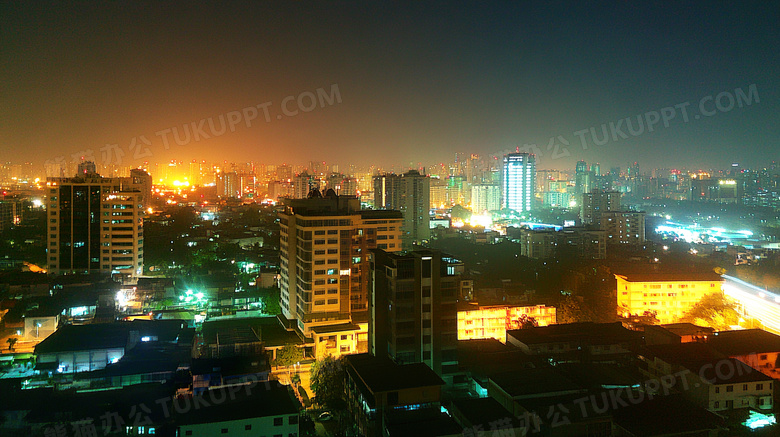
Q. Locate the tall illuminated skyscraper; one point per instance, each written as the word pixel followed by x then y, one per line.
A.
pixel 518 181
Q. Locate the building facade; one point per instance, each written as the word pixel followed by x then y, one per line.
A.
pixel 518 181
pixel 481 322
pixel 623 227
pixel 325 243
pixel 95 225
pixel 668 296
pixel 485 197
pixel 412 309
pixel 580 242
pixel 409 193
pixel 596 202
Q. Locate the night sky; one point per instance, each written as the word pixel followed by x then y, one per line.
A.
pixel 417 82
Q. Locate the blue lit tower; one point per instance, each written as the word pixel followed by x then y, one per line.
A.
pixel 519 177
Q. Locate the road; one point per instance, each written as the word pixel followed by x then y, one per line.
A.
pixel 756 302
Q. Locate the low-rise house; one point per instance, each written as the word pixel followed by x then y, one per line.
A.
pixel 676 333
pixel 550 402
pixel 484 417
pixel 577 342
pixel 666 416
pixel 478 359
pixel 757 348
pixel 39 324
pixel 708 378
pixel 210 373
pixel 336 340
pixel 377 388
pixel 492 321
pixel 267 410
pixel 86 348
pixel 667 295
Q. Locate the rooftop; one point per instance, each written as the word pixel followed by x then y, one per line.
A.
pixel 381 374
pixel 71 338
pixel 230 366
pixel 667 415
pixel 266 400
pixel 342 327
pixel 249 330
pixel 483 411
pixel 687 329
pixel 370 214
pixel 707 276
pixel 115 335
pixel 412 424
pixel 703 360
pixel 542 381
pixel 745 342
pixel 597 376
pixel 587 332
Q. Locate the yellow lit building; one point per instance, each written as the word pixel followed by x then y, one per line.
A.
pixel 668 295
pixel 338 340
pixel 324 278
pixel 480 322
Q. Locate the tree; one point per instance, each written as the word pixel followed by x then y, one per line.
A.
pixel 270 297
pixel 525 322
pixel 461 213
pixel 11 342
pixel 571 310
pixel 327 382
pixel 288 355
pixel 713 310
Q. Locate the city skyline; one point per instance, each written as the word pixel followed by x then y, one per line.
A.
pixel 386 219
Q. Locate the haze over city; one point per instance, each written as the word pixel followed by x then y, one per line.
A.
pixel 418 82
pixel 390 219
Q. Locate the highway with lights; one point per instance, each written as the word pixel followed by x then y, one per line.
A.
pixel 756 302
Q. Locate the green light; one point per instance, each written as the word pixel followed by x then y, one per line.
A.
pixel 759 420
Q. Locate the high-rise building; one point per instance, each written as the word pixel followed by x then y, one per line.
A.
pixel 623 227
pixel 485 197
pixel 87 168
pixel 412 309
pixel 439 193
pixel 583 179
pixel 302 185
pixel 195 176
pixel 342 184
pixel 280 189
pixel 571 242
pixel 409 193
pixel 519 181
pixel 95 225
pixel 228 184
pixel 284 172
pixel 387 191
pixel 545 177
pixel 11 213
pixel 594 203
pixel 143 180
pixel 324 266
pixel 457 191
